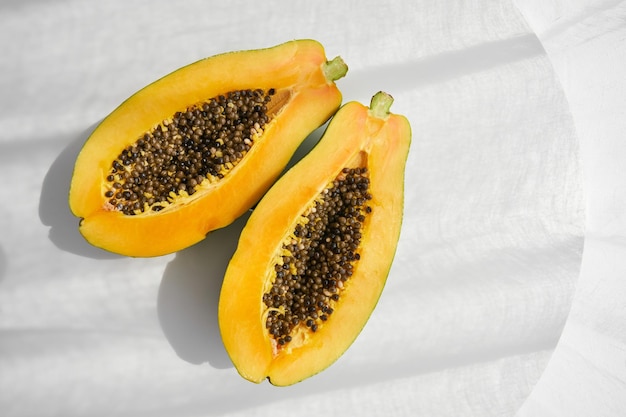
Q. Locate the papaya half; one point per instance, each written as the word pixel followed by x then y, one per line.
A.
pixel 194 150
pixel 313 258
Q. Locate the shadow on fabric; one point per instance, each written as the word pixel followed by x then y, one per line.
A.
pixel 53 203
pixel 443 67
pixel 189 294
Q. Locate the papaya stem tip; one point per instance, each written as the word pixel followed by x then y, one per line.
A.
pixel 380 104
pixel 335 69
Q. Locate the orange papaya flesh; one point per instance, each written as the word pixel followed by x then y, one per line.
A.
pixel 194 150
pixel 314 255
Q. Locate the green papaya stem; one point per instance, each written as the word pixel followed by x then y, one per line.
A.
pixel 380 105
pixel 335 69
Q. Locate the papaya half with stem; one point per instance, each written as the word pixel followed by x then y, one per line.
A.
pixel 313 257
pixel 194 150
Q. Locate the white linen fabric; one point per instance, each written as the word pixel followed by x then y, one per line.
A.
pixel 487 263
pixel 585 42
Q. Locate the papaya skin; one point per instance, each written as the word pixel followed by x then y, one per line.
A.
pixel 355 137
pixel 298 69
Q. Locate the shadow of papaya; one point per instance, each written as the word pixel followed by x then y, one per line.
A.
pixel 54 210
pixel 189 294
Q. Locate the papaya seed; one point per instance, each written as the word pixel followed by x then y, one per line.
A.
pixel 202 143
pixel 318 254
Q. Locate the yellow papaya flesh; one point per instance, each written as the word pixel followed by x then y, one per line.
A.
pixel 194 150
pixel 314 256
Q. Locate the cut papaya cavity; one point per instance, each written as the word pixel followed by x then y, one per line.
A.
pixel 193 151
pixel 314 256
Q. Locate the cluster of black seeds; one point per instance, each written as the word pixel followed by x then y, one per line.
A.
pixel 321 253
pixel 203 142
